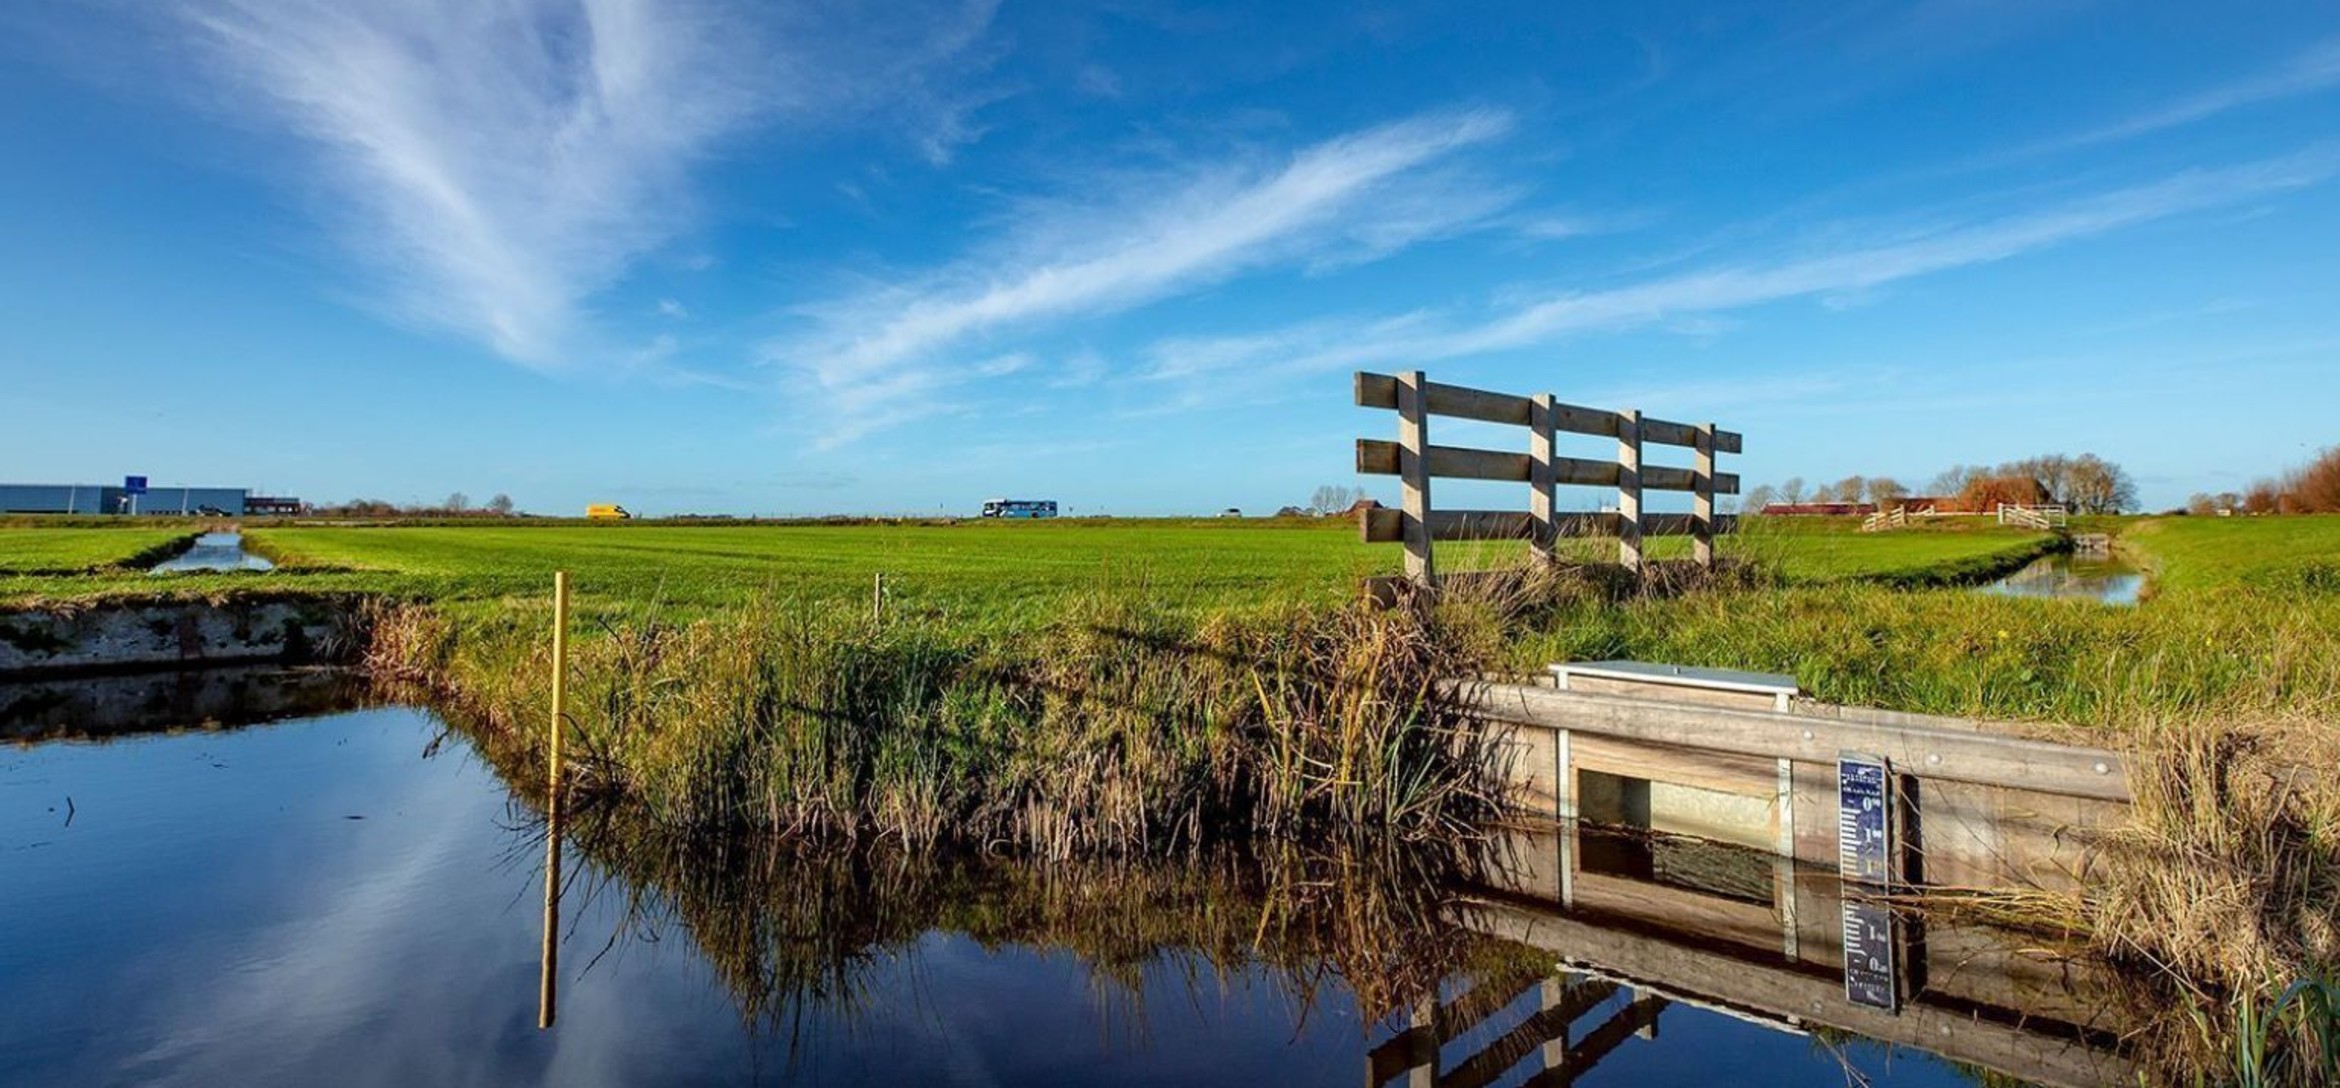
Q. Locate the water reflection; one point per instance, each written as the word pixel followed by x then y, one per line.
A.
pixel 2078 577
pixel 127 704
pixel 347 900
pixel 214 552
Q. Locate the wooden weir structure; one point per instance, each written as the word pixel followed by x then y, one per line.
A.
pixel 1631 780
pixel 1838 807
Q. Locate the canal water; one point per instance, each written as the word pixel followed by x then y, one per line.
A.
pixel 214 552
pixel 2074 577
pixel 354 898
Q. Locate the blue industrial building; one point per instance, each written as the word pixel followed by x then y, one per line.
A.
pixel 115 499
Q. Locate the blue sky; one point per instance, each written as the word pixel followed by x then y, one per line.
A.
pixel 772 258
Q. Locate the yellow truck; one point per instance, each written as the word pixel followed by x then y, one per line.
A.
pixel 607 511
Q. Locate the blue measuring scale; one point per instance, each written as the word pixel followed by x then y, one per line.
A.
pixel 1864 856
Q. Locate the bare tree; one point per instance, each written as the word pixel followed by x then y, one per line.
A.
pixel 457 503
pixel 1792 489
pixel 500 505
pixel 1954 480
pixel 1886 492
pixel 2093 484
pixel 1332 498
pixel 1755 500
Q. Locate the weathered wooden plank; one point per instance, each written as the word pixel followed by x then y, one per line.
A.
pixel 1414 474
pixel 1379 457
pixel 1669 478
pixel 1956 754
pixel 1387 526
pixel 1462 402
pixel 1679 524
pixel 1543 476
pixel 1665 433
pixel 1704 486
pixel 1629 490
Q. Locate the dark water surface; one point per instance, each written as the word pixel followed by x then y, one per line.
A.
pixel 354 899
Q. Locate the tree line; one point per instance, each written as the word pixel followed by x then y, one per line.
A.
pixel 2086 483
pixel 457 505
pixel 2312 488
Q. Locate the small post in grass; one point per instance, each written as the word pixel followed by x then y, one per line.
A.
pixel 552 802
pixel 877 599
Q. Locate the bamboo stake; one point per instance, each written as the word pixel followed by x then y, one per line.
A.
pixel 552 837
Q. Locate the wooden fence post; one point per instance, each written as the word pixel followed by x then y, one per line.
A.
pixel 1702 499
pixel 1414 475
pixel 1541 480
pixel 1629 489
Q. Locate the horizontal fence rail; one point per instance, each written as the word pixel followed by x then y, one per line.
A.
pixel 1380 391
pixel 1386 526
pixel 1416 462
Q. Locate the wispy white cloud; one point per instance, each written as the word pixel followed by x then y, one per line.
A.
pixel 498 163
pixel 1846 272
pixel 2316 69
pixel 1353 198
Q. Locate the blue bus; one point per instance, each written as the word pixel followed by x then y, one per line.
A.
pixel 1019 508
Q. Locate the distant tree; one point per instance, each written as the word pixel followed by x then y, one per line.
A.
pixel 2230 500
pixel 1984 494
pixel 500 505
pixel 1333 498
pixel 1760 496
pixel 1954 480
pixel 1848 489
pixel 2315 488
pixel 1886 492
pixel 457 503
pixel 2263 497
pixel 1791 490
pixel 2202 504
pixel 2055 473
pixel 2092 485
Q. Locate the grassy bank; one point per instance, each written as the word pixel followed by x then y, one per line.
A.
pixel 1116 726
pixel 72 553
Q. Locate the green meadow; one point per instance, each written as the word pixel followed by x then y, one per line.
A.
pixel 75 551
pixel 994 569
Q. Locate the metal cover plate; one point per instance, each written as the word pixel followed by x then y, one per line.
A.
pixel 1688 676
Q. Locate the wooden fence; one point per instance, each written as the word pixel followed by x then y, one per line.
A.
pixel 1415 461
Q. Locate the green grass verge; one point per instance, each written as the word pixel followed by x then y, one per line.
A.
pixel 75 551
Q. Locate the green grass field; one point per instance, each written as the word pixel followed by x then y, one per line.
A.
pixel 73 549
pixel 1006 567
pixel 2298 555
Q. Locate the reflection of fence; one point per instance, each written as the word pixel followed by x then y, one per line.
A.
pixel 2052 516
pixel 1416 462
pixel 1562 1055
